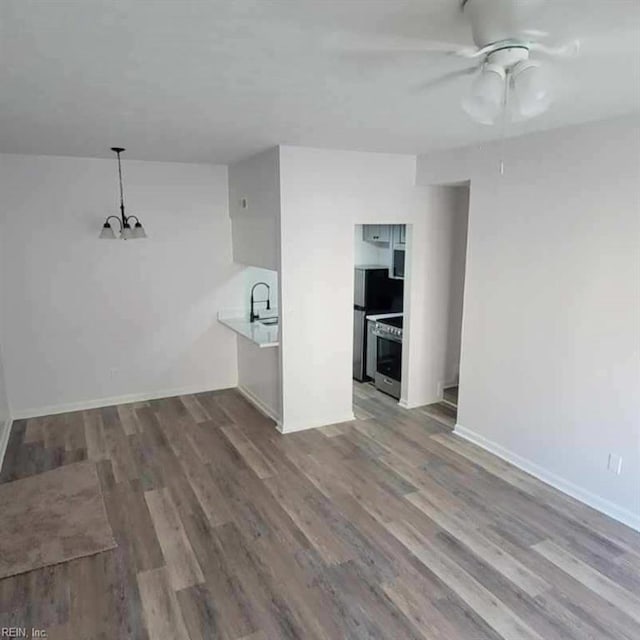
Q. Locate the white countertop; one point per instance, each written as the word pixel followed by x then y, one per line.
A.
pixel 380 316
pixel 262 335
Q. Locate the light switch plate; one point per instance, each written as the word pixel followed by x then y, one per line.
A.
pixel 614 464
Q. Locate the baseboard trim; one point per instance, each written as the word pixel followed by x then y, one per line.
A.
pixel 288 428
pixel 5 431
pixel 405 404
pixel 441 386
pixel 259 404
pixel 590 499
pixel 107 402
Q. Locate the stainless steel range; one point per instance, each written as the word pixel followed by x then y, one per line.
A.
pixel 388 377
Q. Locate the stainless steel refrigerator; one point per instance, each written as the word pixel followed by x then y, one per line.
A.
pixel 374 292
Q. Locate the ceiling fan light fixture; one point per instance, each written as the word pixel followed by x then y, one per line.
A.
pixel 531 88
pixel 486 99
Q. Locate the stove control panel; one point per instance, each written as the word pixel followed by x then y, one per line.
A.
pixel 384 330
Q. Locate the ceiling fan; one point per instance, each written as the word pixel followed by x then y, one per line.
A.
pixel 511 79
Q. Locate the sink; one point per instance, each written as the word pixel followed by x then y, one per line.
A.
pixel 269 321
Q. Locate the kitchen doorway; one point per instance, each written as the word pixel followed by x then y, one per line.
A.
pixel 378 313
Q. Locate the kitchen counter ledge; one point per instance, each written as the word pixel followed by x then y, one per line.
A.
pixel 262 335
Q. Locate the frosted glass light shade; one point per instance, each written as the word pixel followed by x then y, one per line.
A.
pixel 127 232
pixel 532 89
pixel 138 231
pixel 107 232
pixel 486 100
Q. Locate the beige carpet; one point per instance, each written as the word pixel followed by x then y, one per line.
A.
pixel 52 517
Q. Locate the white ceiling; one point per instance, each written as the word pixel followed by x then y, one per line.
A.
pixel 216 80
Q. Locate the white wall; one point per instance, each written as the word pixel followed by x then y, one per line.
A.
pixel 436 257
pixel 5 413
pixel 324 194
pixel 256 229
pixel 551 340
pixel 4 403
pixel 90 321
pixel 459 220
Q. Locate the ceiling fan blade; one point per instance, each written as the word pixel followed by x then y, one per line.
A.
pixel 617 42
pixel 374 43
pixel 568 50
pixel 445 79
pixel 535 34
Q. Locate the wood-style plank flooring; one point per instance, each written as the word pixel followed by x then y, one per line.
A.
pixel 388 527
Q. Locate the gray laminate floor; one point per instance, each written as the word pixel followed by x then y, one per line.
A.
pixel 389 527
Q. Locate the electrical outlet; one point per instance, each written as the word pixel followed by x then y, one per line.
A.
pixel 614 464
pixel 113 372
pixel 244 203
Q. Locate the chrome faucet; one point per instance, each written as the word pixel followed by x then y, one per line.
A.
pixel 254 316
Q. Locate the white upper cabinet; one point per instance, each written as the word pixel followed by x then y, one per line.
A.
pixel 394 234
pixel 376 232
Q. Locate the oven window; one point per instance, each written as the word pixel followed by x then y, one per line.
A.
pixel 389 360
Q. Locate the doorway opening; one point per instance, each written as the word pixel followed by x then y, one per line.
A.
pixel 378 311
pixel 407 348
pixel 453 244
